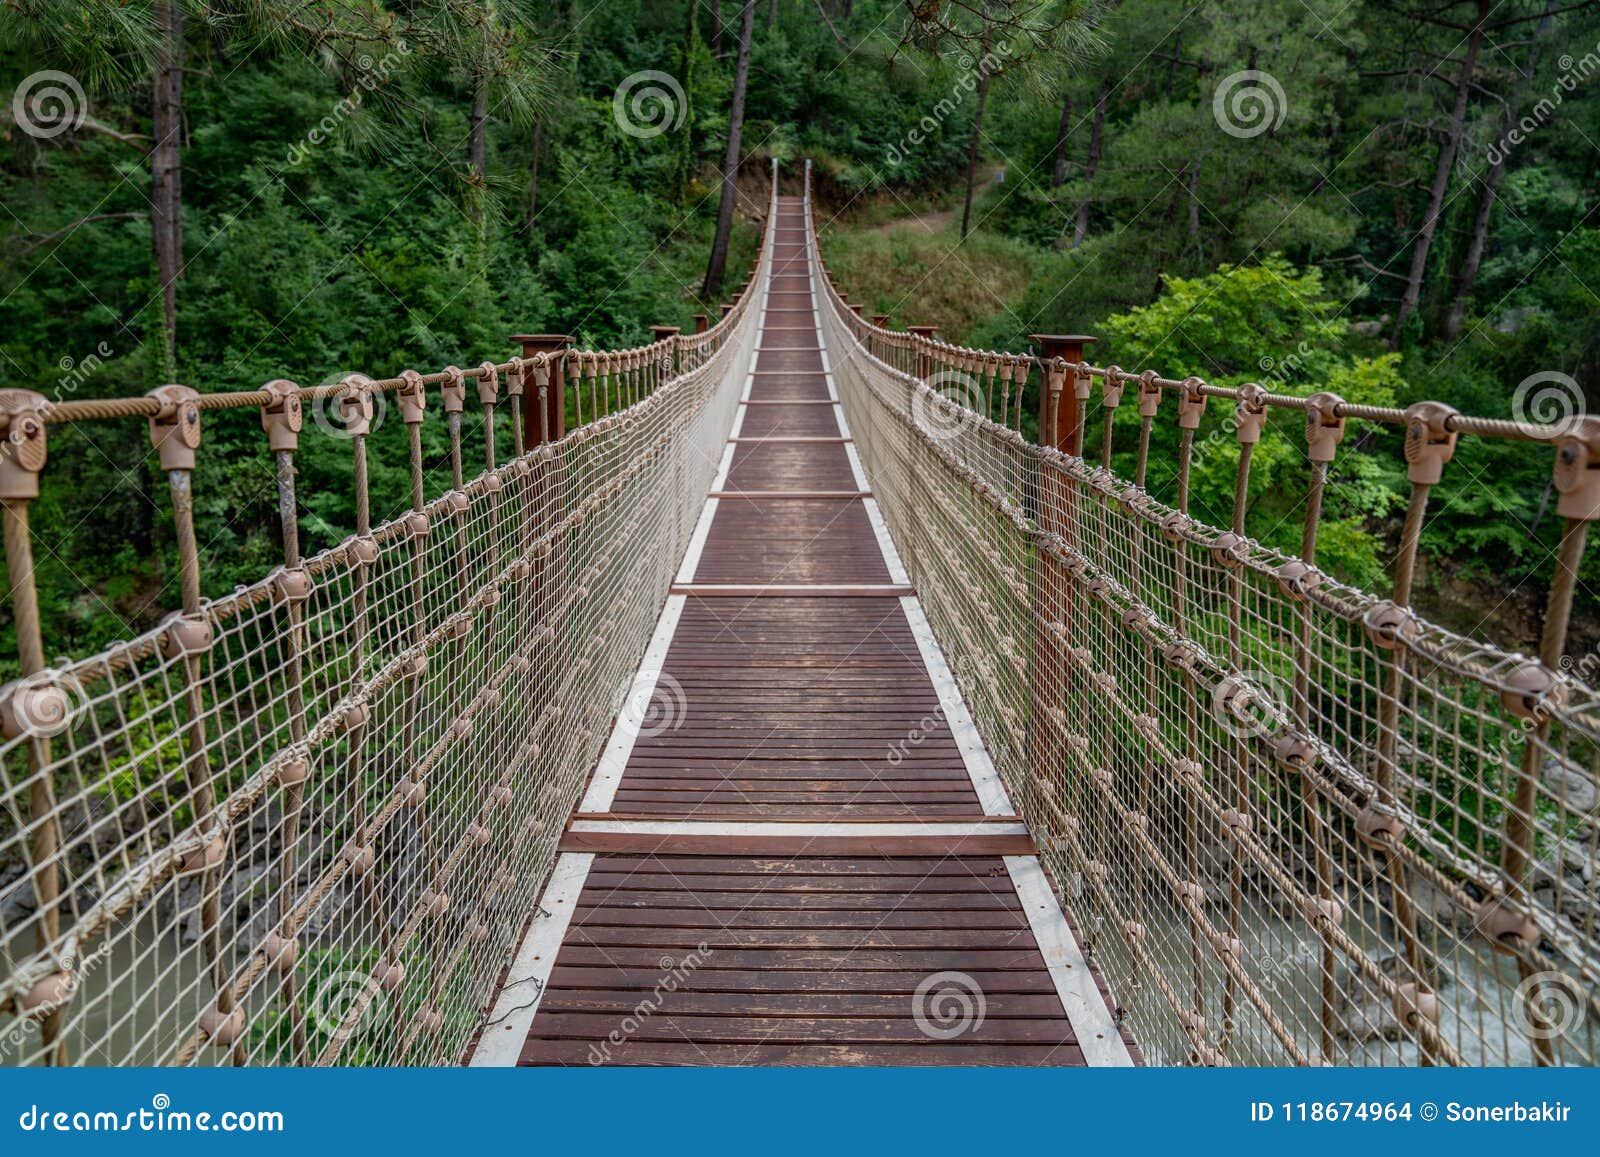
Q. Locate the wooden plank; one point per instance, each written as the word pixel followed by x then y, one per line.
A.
pixel 682 1053
pixel 612 843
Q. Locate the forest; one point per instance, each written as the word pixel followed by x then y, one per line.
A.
pixel 1390 199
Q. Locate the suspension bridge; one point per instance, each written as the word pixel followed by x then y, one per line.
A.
pixel 793 707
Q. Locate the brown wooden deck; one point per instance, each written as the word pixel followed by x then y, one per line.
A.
pixel 696 924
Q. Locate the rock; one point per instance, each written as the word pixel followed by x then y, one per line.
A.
pixel 1568 785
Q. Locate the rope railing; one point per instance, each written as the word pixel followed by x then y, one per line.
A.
pixel 307 822
pixel 1297 822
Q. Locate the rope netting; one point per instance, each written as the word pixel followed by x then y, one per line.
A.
pixel 306 823
pixel 1295 822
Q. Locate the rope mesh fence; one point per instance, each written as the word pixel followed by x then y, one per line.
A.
pixel 1295 822
pixel 306 823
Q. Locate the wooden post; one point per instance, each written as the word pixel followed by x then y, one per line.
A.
pixel 660 333
pixel 1062 429
pixel 699 323
pixel 921 364
pixel 554 425
pixel 881 320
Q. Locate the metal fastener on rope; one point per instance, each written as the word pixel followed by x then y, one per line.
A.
pixel 1324 426
pixel 1149 394
pixel 1508 929
pixel 282 415
pixel 1191 404
pixel 413 397
pixel 1430 442
pixel 1530 688
pixel 175 428
pixel 356 405
pixel 1577 470
pixel 453 390
pixel 1387 623
pixel 1250 413
pixel 1112 387
pixel 23 454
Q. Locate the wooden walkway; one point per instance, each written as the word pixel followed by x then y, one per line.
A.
pixel 803 855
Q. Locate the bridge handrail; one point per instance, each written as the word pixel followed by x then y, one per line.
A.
pixel 1229 757
pixel 225 839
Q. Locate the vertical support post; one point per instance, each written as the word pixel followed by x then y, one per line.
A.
pixel 22 426
pixel 699 323
pixel 921 360
pixel 175 434
pixel 551 424
pixel 1066 431
pixel 282 417
pixel 669 334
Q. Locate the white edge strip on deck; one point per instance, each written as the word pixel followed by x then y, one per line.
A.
pixel 507 1028
pixel 697 543
pixel 608 774
pixel 980 768
pixel 1086 1009
pixel 816 829
pixel 856 467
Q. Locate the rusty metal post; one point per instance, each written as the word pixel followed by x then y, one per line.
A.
pixel 22 457
pixel 551 424
pixel 175 434
pixel 282 418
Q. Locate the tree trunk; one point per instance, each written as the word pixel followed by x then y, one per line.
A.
pixel 533 175
pixel 730 163
pixel 166 174
pixel 1472 260
pixel 691 34
pixel 1091 163
pixel 1058 176
pixel 772 12
pixel 716 29
pixel 1441 179
pixel 477 145
pixel 972 149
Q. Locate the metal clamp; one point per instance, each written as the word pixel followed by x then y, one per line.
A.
pixel 282 415
pixel 175 429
